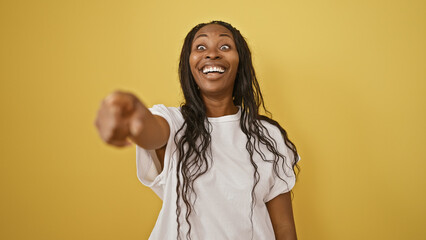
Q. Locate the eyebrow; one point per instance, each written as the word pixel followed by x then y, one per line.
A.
pixel 220 35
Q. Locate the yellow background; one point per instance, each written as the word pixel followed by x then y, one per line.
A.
pixel 346 79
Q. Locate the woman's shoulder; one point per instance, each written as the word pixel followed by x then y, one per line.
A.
pixel 163 108
pixel 171 114
pixel 271 126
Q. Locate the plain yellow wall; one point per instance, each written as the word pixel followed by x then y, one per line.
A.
pixel 346 79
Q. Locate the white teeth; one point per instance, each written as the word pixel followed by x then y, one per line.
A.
pixel 209 69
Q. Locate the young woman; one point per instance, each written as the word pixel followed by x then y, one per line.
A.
pixel 222 170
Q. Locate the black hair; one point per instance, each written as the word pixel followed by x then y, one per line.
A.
pixel 194 139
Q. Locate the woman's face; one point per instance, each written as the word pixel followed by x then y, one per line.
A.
pixel 214 60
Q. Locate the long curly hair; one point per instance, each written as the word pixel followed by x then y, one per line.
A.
pixel 193 143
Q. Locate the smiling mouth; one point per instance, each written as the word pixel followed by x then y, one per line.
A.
pixel 213 69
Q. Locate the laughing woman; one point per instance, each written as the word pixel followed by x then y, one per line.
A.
pixel 222 170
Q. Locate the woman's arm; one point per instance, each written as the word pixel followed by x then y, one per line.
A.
pixel 281 214
pixel 123 116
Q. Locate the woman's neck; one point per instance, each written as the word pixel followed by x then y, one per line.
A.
pixel 218 107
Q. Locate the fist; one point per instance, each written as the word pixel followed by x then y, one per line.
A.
pixel 120 117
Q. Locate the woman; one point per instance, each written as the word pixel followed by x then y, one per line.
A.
pixel 222 170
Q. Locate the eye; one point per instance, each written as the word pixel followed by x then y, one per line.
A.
pixel 225 47
pixel 201 47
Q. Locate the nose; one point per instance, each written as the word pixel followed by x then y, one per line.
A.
pixel 213 54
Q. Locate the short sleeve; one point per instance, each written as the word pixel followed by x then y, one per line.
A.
pixel 285 170
pixel 147 163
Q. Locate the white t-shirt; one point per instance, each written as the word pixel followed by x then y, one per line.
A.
pixel 223 204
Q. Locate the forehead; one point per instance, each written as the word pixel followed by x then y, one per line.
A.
pixel 213 30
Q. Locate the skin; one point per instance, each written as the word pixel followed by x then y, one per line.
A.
pixel 281 213
pixel 122 116
pixel 214 45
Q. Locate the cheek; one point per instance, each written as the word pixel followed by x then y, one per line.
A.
pixel 235 61
pixel 193 59
pixel 233 56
